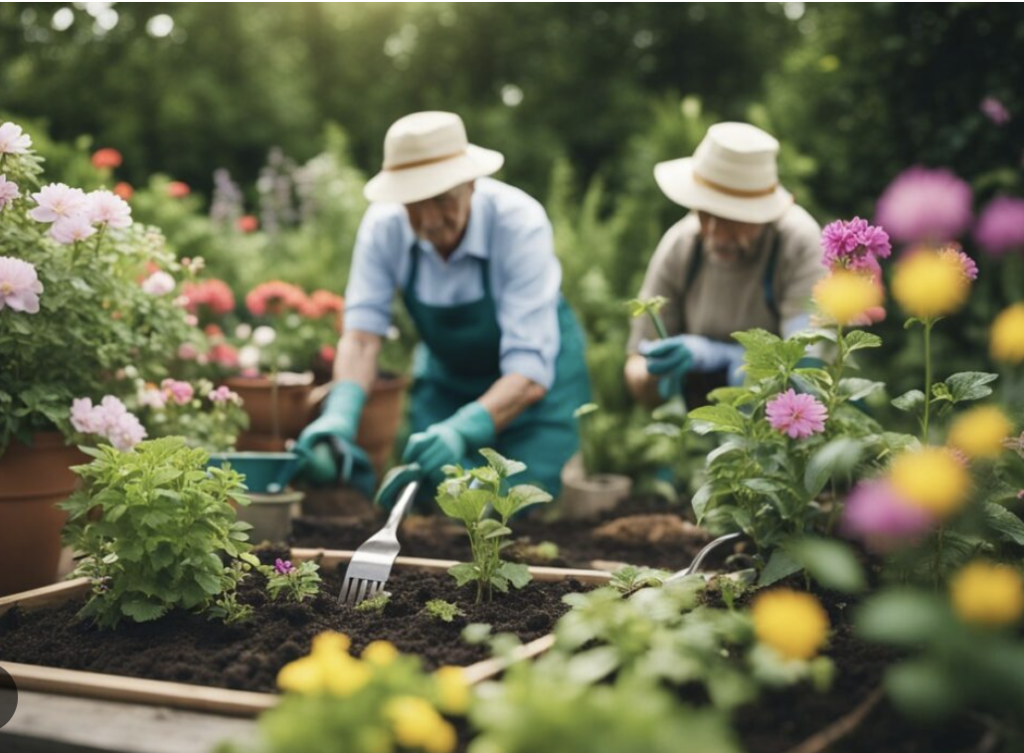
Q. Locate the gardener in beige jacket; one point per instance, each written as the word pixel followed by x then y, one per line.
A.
pixel 745 256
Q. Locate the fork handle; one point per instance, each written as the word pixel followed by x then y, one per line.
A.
pixel 405 499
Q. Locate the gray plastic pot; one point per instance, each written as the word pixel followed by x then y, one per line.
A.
pixel 270 515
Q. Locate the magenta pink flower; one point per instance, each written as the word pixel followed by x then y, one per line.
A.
pixel 799 416
pixel 180 392
pixel 68 230
pixel 12 140
pixel 8 191
pixel 995 111
pixel 57 201
pixel 925 205
pixel 283 567
pixel 854 244
pixel 19 285
pixel 875 513
pixel 158 283
pixel 967 265
pixel 1001 225
pixel 104 207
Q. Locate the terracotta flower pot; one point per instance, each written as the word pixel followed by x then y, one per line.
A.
pixel 586 496
pixel 32 481
pixel 274 415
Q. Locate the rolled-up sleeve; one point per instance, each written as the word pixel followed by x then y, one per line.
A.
pixel 528 301
pixel 372 278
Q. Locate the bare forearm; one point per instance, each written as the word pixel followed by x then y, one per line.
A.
pixel 510 396
pixel 356 360
pixel 642 385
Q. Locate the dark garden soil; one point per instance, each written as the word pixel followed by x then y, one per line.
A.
pixel 187 648
pixel 642 530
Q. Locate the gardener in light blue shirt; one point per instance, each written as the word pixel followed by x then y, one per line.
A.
pixel 500 363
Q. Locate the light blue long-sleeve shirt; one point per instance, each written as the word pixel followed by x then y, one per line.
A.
pixel 507 227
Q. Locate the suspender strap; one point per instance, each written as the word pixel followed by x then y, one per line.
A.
pixel 768 283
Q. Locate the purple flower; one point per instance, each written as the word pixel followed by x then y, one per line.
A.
pixel 283 567
pixel 854 244
pixel 924 205
pixel 995 111
pixel 1001 225
pixel 875 513
pixel 19 285
pixel 799 416
pixel 8 191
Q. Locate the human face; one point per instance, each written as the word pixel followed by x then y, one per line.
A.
pixel 729 240
pixel 442 219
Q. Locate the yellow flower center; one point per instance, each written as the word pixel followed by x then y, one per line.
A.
pixel 988 594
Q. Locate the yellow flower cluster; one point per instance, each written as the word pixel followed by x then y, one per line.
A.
pixel 792 623
pixel 845 297
pixel 1007 339
pixel 452 690
pixel 987 594
pixel 980 432
pixel 380 653
pixel 327 669
pixel 928 283
pixel 932 479
pixel 418 725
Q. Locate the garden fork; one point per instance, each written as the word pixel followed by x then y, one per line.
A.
pixel 371 564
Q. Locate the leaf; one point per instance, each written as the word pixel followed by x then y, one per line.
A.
pixel 923 688
pixel 585 410
pixel 526 495
pixel 780 565
pixel 142 610
pixel 716 418
pixel 495 531
pixel 209 582
pixel 857 389
pixel 1005 523
pixel 468 505
pixel 902 617
pixel 725 448
pixel 831 563
pixel 501 464
pixel 464 572
pixel 702 498
pixel 970 385
pixel 911 401
pixel 838 456
pixel 859 339
pixel 517 574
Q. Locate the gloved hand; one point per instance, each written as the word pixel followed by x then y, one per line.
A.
pixel 670 359
pixel 449 441
pixel 394 482
pixel 338 418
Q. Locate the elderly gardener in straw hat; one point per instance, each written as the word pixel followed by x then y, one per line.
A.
pixel 745 256
pixel 500 363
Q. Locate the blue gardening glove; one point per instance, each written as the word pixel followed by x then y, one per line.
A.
pixel 338 418
pixel 670 359
pixel 449 441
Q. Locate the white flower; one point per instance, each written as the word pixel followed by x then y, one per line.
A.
pixel 243 331
pixel 108 208
pixel 249 357
pixel 264 336
pixel 158 283
pixel 58 201
pixel 12 140
pixel 68 230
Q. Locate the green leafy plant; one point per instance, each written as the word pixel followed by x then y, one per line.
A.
pixel 299 582
pixel 631 578
pixel 375 604
pixel 468 496
pixel 443 610
pixel 226 607
pixel 163 531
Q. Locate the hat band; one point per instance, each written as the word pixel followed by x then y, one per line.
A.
pixel 422 162
pixel 734 191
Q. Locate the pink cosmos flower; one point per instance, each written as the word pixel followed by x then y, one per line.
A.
pixel 995 111
pixel 925 205
pixel 105 207
pixel 12 140
pixel 854 244
pixel 223 394
pixel 19 285
pixel 68 230
pixel 84 416
pixel 158 283
pixel 180 392
pixel 1001 225
pixel 799 416
pixel 967 266
pixel 875 513
pixel 110 419
pixel 151 396
pixel 58 201
pixel 8 191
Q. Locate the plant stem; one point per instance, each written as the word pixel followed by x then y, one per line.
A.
pixel 938 557
pixel 99 237
pixel 833 397
pixel 927 380
pixel 658 324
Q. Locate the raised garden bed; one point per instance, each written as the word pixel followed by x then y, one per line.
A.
pixel 642 530
pixel 187 661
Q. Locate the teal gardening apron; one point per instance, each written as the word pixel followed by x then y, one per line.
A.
pixel 458 360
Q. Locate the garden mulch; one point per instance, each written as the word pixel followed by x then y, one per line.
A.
pixel 187 648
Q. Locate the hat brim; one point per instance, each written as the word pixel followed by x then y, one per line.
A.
pixel 675 179
pixel 414 184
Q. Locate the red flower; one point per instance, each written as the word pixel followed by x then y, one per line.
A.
pixel 214 294
pixel 327 353
pixel 323 302
pixel 212 330
pixel 225 355
pixel 247 223
pixel 124 190
pixel 104 158
pixel 275 297
pixel 176 189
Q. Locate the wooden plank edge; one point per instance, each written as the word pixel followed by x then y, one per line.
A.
pixel 491 668
pixel 55 593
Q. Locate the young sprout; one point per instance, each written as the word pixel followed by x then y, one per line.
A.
pixel 443 610
pixel 651 307
pixel 376 604
pixel 299 582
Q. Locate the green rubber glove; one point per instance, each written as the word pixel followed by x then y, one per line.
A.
pixel 338 418
pixel 448 442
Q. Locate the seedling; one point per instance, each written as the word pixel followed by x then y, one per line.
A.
pixel 443 610
pixel 467 496
pixel 376 604
pixel 299 582
pixel 651 307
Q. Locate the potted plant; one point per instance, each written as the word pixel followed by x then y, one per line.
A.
pixel 84 292
pixel 586 494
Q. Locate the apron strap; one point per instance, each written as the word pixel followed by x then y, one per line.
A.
pixel 768 283
pixel 414 270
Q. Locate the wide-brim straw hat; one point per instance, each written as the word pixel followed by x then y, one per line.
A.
pixel 733 175
pixel 426 154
